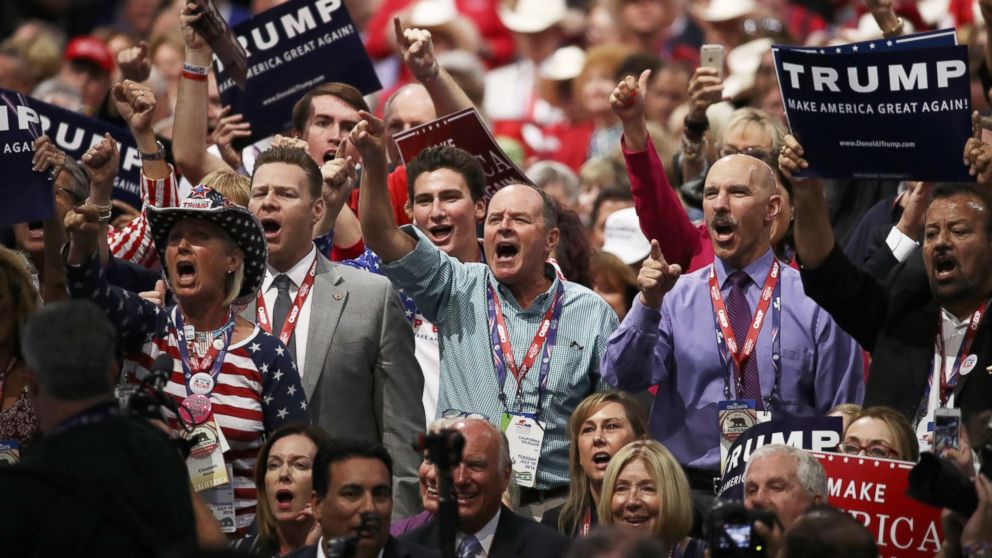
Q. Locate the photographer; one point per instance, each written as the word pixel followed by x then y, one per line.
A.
pixel 113 485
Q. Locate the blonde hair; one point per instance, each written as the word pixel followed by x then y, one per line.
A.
pixel 14 275
pixel 675 502
pixel 231 185
pixel 579 497
pixel 742 117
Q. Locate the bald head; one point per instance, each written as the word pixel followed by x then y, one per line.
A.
pixel 740 203
pixel 407 107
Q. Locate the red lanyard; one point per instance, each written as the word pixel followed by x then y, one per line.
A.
pixel 294 312
pixel 535 345
pixel 947 384
pixel 740 355
pixel 586 522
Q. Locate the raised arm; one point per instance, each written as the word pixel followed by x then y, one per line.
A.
pixel 48 157
pixel 378 223
pixel 886 18
pixel 659 209
pixel 189 132
pixel 813 233
pixel 417 50
pixel 101 163
pixel 705 89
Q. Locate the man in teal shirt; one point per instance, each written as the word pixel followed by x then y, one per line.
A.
pixel 518 344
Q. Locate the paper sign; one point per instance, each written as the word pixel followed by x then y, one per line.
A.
pixel 27 194
pixel 808 433
pixel 900 114
pixel 941 37
pixel 24 118
pixel 465 130
pixel 291 49
pixel 874 492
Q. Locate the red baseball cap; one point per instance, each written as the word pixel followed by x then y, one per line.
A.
pixel 92 49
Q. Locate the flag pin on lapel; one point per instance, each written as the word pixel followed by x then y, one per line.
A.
pixel 338 297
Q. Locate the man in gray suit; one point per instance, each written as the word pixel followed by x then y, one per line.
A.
pixel 344 327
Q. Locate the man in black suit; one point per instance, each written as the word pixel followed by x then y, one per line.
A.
pixel 486 528
pixel 353 491
pixel 931 347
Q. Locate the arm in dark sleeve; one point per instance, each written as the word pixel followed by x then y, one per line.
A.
pixel 129 276
pixel 856 300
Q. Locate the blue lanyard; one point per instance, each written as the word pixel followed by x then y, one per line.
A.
pixel 93 415
pixel 727 360
pixel 226 331
pixel 503 354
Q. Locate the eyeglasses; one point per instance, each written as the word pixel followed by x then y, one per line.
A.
pixel 756 152
pixel 458 413
pixel 852 446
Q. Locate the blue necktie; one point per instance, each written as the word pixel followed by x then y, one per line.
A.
pixel 740 320
pixel 470 547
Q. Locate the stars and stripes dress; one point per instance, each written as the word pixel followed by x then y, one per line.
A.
pixel 133 241
pixel 257 390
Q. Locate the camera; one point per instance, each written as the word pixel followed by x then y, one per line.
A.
pixel 729 529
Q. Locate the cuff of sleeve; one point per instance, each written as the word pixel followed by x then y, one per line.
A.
pixel 160 192
pixel 901 245
pixel 643 317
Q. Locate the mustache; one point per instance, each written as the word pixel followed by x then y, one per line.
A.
pixel 723 219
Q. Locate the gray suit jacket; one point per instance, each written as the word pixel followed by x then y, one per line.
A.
pixel 361 377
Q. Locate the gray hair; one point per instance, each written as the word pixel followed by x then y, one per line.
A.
pixel 810 473
pixel 543 173
pixel 79 185
pixel 70 347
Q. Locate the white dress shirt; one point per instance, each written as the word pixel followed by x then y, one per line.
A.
pixel 486 535
pixel 953 331
pixel 296 274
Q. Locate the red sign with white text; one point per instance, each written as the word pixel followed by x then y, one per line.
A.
pixel 465 130
pixel 874 492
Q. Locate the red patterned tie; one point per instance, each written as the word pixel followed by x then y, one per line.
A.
pixel 740 320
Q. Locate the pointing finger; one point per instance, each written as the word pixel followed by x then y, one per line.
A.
pixel 976 125
pixel 656 251
pixel 642 82
pixel 400 37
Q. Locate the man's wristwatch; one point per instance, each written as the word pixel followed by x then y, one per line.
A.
pixel 156 156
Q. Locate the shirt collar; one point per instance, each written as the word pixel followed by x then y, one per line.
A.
pixel 756 270
pixel 297 273
pixel 320 549
pixel 487 534
pixel 541 302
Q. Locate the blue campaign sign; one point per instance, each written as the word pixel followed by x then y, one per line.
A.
pixel 808 433
pixel 27 194
pixel 928 39
pixel 292 48
pixel 24 118
pixel 901 114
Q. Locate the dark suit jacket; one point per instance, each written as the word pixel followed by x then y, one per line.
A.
pixel 896 320
pixel 516 536
pixel 393 549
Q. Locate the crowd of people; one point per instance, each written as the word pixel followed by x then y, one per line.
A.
pixel 315 346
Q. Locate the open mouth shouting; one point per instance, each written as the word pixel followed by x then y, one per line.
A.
pixel 722 229
pixel 441 235
pixel 944 267
pixel 601 460
pixel 285 499
pixel 506 251
pixel 272 228
pixel 185 273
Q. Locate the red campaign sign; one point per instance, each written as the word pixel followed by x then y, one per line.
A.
pixel 874 492
pixel 465 130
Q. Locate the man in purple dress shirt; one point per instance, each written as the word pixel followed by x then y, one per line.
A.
pixel 739 329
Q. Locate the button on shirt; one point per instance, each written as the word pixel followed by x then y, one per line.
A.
pixel 296 274
pixel 452 295
pixel 676 348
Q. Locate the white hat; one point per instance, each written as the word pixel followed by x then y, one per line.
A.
pixel 566 63
pixel 531 16
pixel 623 237
pixel 725 10
pixel 743 63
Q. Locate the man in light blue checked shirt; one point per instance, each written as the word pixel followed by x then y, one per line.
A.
pixel 511 317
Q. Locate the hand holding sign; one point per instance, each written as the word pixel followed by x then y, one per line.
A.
pixel 339 180
pixel 190 14
pixel 101 163
pixel 978 154
pixel 136 103
pixel 417 50
pixel 705 89
pixel 135 62
pixel 790 159
pixel 657 277
pixel 229 128
pixel 47 156
pixel 367 136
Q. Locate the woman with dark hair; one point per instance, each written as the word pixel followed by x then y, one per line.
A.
pixel 613 280
pixel 231 382
pixel 602 424
pixel 18 301
pixel 285 515
pixel 572 252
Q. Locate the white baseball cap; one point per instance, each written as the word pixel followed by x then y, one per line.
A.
pixel 623 237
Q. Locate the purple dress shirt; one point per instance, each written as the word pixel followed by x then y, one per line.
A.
pixel 676 348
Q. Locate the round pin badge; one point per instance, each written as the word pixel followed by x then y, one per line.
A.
pixel 203 441
pixel 968 364
pixel 201 383
pixel 218 344
pixel 195 409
